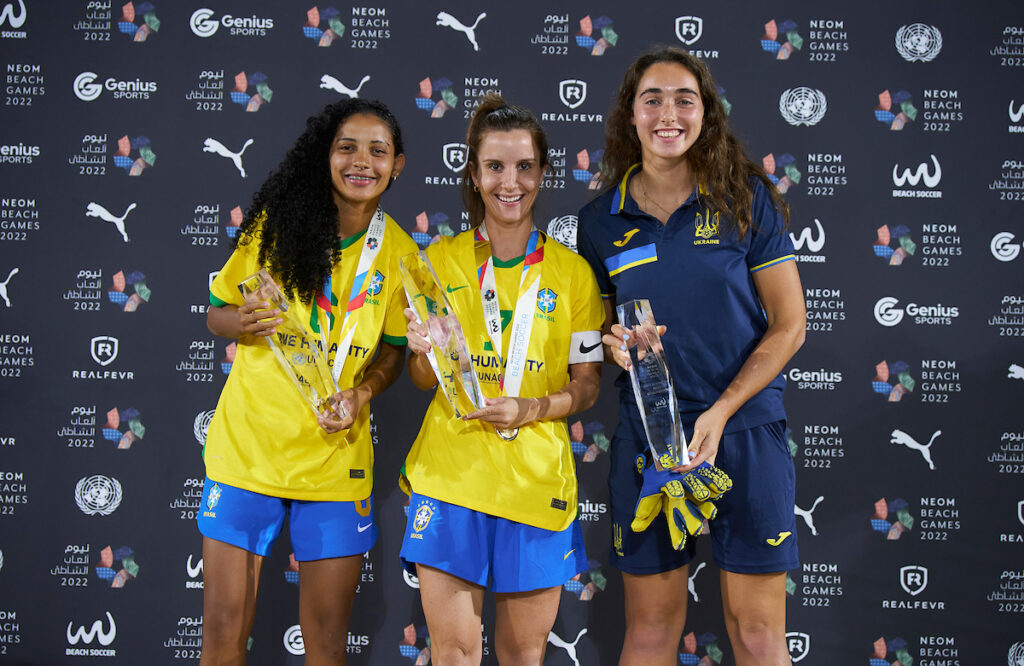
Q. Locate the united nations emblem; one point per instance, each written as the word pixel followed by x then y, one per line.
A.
pixel 802 106
pixel 424 513
pixel 546 300
pixel 213 498
pixel 919 42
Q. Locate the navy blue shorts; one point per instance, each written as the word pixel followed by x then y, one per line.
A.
pixel 252 521
pixel 755 529
pixel 490 551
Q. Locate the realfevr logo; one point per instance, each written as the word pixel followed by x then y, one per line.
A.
pixel 882 648
pixel 913 579
pixel 791 175
pixel 572 92
pixel 455 156
pixel 130 14
pixel 781 39
pixel 689 29
pixel 204 24
pixel 895 110
pixel 441 87
pixel 802 106
pixel 596 35
pixel 103 349
pixel 1003 248
pixel 887 314
pixel 323 27
pixel 98 495
pixel 798 644
pixel 87 89
pixel 240 95
pixel 918 42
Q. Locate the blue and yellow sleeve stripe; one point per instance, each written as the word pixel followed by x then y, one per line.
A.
pixel 773 262
pixel 638 256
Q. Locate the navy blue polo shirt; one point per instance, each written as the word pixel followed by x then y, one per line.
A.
pixel 698 276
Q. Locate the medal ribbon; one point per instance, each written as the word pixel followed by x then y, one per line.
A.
pixel 326 300
pixel 522 320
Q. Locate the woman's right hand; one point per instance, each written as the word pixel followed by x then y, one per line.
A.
pixel 258 319
pixel 416 334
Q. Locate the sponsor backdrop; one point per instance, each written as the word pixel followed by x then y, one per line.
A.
pixel 133 135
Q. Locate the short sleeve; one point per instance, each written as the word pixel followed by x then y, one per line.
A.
pixel 769 244
pixel 587 306
pixel 585 246
pixel 394 319
pixel 242 263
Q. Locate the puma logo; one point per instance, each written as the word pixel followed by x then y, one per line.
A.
pixel 447 20
pixel 329 82
pixel 215 146
pixel 95 210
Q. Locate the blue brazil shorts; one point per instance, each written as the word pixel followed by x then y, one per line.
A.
pixel 493 552
pixel 253 522
pixel 755 530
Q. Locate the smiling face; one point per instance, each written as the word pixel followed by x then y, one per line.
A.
pixel 668 111
pixel 508 174
pixel 362 160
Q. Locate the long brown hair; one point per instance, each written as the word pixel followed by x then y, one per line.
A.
pixel 716 157
pixel 495 115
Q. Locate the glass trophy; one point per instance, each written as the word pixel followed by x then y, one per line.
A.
pixel 304 361
pixel 450 356
pixel 652 385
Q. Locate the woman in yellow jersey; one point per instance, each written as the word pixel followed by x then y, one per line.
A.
pixel 316 226
pixel 487 511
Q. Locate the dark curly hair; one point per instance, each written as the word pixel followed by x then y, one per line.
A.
pixel 293 215
pixel 494 114
pixel 716 157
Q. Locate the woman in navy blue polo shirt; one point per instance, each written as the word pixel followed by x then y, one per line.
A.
pixel 691 224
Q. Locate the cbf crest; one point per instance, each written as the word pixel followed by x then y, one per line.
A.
pixel 424 512
pixel 213 498
pixel 376 283
pixel 546 300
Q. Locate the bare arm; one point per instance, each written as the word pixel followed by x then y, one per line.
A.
pixel 782 298
pixel 579 394
pixel 253 318
pixel 420 372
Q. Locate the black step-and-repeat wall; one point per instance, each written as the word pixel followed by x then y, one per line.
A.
pixel 132 135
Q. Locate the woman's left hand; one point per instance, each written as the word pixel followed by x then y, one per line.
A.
pixel 506 412
pixel 351 400
pixel 707 433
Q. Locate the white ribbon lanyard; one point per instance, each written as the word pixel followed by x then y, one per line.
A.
pixel 522 320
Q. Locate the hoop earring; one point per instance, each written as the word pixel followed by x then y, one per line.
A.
pixel 476 189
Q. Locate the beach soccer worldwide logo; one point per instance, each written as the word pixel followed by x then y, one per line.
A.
pixel 905 245
pixel 892 518
pixel 895 110
pixel 251 101
pixel 138 21
pixel 440 88
pixel 892 380
pixel 596 35
pixel 323 27
pixel 781 39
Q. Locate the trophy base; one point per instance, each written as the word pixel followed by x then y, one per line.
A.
pixel 330 407
pixel 507 434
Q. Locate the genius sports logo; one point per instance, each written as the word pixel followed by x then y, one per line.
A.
pixel 323 27
pixel 790 174
pixel 203 24
pixel 87 89
pixel 693 644
pixel 883 246
pixel 895 646
pixel 596 35
pixel 130 291
pixel 902 521
pixel 781 39
pixel 888 314
pixel 421 232
pixel 892 380
pixel 1002 246
pixel 117 567
pixel 599 443
pixel 442 89
pixel 124 427
pixel 895 110
pixel 138 21
pixel 251 101
pixel 585 161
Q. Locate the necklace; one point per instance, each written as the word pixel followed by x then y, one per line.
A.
pixel 649 200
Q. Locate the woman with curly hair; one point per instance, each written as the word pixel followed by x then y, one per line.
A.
pixel 493 501
pixel 691 224
pixel 315 225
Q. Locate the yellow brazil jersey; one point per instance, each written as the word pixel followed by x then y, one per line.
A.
pixel 531 479
pixel 264 437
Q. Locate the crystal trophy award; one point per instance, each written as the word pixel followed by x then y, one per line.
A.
pixel 449 356
pixel 304 362
pixel 652 385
